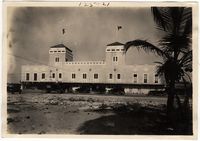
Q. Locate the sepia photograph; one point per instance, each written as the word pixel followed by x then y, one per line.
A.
pixel 100 68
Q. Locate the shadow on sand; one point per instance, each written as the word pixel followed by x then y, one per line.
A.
pixel 140 121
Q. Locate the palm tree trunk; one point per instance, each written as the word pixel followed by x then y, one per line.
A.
pixel 170 104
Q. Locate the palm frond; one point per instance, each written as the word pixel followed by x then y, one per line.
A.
pixel 161 17
pixel 186 58
pixel 146 46
pixel 161 63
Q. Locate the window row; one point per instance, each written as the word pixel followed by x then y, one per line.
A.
pixel 115 50
pixel 96 76
pixel 57 51
pixel 35 76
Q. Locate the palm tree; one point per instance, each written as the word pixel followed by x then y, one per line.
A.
pixel 174 47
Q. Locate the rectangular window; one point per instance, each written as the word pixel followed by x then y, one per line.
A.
pixel 113 49
pixel 113 59
pixel 35 76
pixel 117 49
pixel 145 78
pixel 95 76
pixel 116 59
pixel 73 75
pixel 118 76
pixel 84 76
pixel 60 75
pixel 135 78
pixel 156 78
pixel 43 75
pixel 53 75
pixel 27 76
pixel 57 59
pixel 108 49
pixel 110 76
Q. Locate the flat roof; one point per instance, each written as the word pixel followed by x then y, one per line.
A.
pixel 61 46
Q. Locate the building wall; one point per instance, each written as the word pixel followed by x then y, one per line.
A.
pixel 90 68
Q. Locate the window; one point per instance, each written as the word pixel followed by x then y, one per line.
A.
pixel 55 51
pixel 59 51
pixel 43 75
pixel 57 59
pixel 108 49
pixel 53 75
pixel 51 51
pixel 110 76
pixel 73 75
pixel 60 75
pixel 113 49
pixel 156 78
pixel 115 59
pixel 117 49
pixel 145 78
pixel 27 76
pixel 95 76
pixel 84 76
pixel 35 76
pixel 118 76
pixel 122 49
pixel 135 78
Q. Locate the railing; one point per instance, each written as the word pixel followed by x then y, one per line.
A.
pixel 85 62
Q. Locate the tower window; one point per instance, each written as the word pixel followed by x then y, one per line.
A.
pixel 27 76
pixel 95 76
pixel 145 78
pixel 60 75
pixel 73 75
pixel 84 76
pixel 35 76
pixel 57 59
pixel 135 78
pixel 115 59
pixel 43 75
pixel 156 78
pixel 118 76
pixel 53 75
pixel 110 76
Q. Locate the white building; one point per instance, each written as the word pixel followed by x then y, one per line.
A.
pixel 62 69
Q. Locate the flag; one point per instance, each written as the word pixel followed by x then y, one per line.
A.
pixel 119 27
pixel 63 31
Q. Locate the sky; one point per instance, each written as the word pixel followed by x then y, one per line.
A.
pixel 33 30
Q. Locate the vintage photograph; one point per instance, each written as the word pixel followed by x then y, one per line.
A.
pixel 99 69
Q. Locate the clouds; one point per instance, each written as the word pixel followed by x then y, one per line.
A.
pixel 88 30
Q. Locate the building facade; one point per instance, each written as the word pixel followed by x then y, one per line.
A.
pixel 62 69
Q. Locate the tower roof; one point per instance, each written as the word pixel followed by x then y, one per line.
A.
pixel 115 44
pixel 61 46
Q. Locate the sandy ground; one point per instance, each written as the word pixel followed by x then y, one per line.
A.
pixel 37 113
